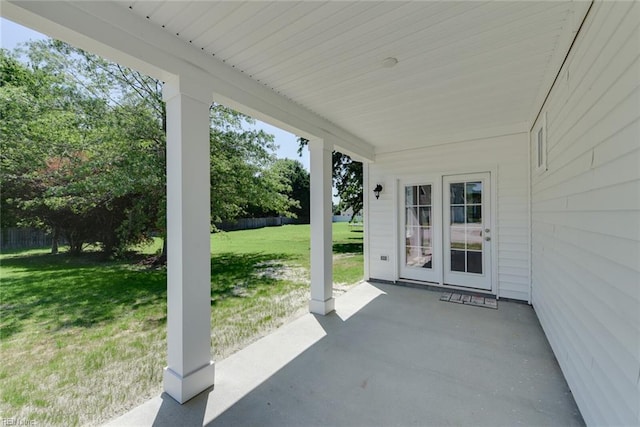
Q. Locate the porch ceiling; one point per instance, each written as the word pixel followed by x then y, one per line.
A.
pixel 467 69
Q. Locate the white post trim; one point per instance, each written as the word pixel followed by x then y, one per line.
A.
pixel 190 369
pixel 366 189
pixel 322 301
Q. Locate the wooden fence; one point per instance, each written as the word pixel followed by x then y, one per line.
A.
pixel 251 223
pixel 31 238
pixel 24 238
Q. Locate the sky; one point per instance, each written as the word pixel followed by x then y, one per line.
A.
pixel 12 34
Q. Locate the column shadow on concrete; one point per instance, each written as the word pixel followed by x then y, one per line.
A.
pixel 189 414
pixel 408 359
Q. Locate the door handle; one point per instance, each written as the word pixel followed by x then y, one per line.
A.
pixel 487 238
pixel 486 230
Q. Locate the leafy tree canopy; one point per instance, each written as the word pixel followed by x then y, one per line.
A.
pixel 82 150
pixel 293 172
pixel 293 175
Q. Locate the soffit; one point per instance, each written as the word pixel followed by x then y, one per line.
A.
pixel 464 67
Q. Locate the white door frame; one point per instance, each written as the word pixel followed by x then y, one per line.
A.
pixel 484 231
pixel 438 175
pixel 433 275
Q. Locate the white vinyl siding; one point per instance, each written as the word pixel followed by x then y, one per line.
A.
pixel 586 217
pixel 506 155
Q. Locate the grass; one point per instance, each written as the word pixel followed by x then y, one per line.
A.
pixel 83 339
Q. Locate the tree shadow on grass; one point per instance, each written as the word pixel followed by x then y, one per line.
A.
pixel 347 248
pixel 59 292
pixel 241 275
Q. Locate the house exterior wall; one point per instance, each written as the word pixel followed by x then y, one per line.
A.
pixel 505 156
pixel 586 217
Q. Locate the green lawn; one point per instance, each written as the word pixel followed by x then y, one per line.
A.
pixel 83 339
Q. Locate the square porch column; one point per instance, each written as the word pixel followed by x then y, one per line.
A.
pixel 190 369
pixel 322 301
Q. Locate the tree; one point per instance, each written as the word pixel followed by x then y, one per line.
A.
pixel 296 178
pixel 84 150
pixel 242 182
pixel 137 119
pixel 71 163
pixel 347 180
pixel 240 157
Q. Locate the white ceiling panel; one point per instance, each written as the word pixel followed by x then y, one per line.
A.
pixel 462 66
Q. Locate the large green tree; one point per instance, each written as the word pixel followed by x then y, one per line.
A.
pixel 71 162
pixel 293 172
pixel 242 179
pixel 295 179
pixel 83 150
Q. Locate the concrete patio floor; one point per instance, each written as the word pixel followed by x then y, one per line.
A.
pixel 388 356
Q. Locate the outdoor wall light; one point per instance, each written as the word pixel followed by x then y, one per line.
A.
pixel 377 190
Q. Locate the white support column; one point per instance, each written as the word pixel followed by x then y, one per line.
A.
pixel 190 369
pixel 365 218
pixel 322 301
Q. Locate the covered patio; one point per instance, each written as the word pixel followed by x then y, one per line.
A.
pixel 389 355
pixel 501 140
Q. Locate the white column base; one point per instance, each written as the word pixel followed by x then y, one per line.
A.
pixel 322 307
pixel 184 388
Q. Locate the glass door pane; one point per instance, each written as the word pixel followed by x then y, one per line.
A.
pixel 418 226
pixel 465 228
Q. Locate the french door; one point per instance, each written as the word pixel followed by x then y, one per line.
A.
pixel 420 224
pixel 446 230
pixel 467 230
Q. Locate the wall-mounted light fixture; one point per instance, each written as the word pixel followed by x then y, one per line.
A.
pixel 377 190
